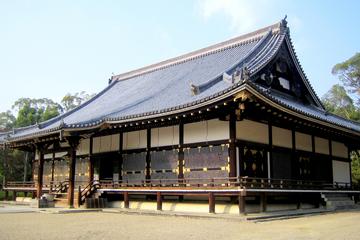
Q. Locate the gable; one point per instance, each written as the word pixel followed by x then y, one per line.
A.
pixel 284 75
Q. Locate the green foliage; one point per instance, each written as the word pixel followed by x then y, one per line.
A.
pixel 349 73
pixel 355 168
pixel 337 101
pixel 70 101
pixel 31 111
pixel 7 121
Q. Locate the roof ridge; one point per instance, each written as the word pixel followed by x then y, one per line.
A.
pixel 249 37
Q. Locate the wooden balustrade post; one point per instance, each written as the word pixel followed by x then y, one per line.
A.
pixel 263 202
pixel 126 199
pixel 158 201
pixel 79 196
pixel 211 202
pixel 14 195
pixel 242 203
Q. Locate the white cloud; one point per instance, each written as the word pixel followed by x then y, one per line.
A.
pixel 240 13
pixel 244 15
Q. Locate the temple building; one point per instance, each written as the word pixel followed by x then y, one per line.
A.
pixel 237 121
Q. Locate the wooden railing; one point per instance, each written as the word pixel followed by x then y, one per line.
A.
pixel 87 191
pixel 241 182
pixel 221 182
pixel 59 187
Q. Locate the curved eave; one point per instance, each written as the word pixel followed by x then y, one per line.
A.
pixel 267 98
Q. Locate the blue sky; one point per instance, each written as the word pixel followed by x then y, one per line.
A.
pixel 50 48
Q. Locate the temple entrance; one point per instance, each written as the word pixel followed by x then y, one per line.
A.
pixel 105 165
pixel 253 161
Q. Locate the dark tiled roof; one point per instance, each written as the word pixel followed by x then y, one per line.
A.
pixel 306 110
pixel 165 87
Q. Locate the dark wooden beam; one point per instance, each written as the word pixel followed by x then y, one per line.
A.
pixel 211 202
pixel 242 204
pixel 331 159
pixel 126 199
pixel 40 148
pixel 158 201
pixel 232 145
pixel 148 155
pixel 263 202
pixel 52 167
pixel 91 161
pixel 350 172
pixel 270 133
pixel 181 154
pixel 121 141
pixel 73 142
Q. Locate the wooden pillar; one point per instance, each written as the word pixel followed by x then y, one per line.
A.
pixel 39 186
pixel 91 161
pixel 148 156
pixel 126 199
pixel 14 195
pixel 73 142
pixel 181 151
pixel 242 202
pixel 5 168
pixel 121 140
pixel 263 202
pixel 52 171
pixel 330 157
pixel 232 145
pixel 298 201
pixel 181 156
pixel 6 196
pixel 211 202
pixel 350 172
pixel 270 149
pixel 158 201
pixel 294 161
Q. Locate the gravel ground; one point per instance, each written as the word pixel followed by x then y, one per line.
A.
pixel 97 225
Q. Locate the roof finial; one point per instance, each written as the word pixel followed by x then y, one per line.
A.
pixel 283 24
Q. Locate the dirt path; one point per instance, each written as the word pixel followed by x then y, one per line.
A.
pixel 120 226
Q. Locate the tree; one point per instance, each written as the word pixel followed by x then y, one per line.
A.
pixel 71 101
pixel 31 111
pixel 349 73
pixel 7 121
pixel 337 101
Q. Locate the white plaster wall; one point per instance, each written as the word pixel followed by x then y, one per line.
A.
pixel 339 149
pixel 341 171
pixel 203 131
pixel 165 136
pixel 218 130
pixel 106 143
pixel 303 142
pixel 281 137
pixel 322 145
pixel 134 139
pixel 115 141
pixel 195 132
pixel 252 131
pixel 84 147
